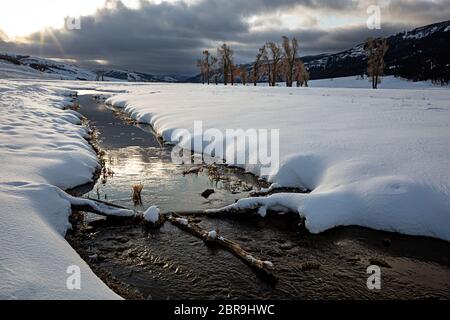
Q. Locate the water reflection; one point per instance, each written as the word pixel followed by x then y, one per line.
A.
pixel 164 183
pixel 133 155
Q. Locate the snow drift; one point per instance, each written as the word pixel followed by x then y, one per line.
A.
pixel 377 159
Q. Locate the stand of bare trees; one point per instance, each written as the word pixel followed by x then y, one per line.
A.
pixel 375 51
pixel 273 61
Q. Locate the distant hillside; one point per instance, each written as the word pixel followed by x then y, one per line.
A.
pixel 35 67
pixel 420 54
pixel 416 55
pixel 46 68
pixel 138 76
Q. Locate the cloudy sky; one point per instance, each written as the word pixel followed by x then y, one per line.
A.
pixel 167 37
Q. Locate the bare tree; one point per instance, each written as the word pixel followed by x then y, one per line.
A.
pixel 243 74
pixel 225 55
pixel 207 65
pixel 301 74
pixel 257 66
pixel 234 73
pixel 267 68
pixel 100 75
pixel 273 59
pixel 290 49
pixel 215 69
pixel 375 50
pixel 201 66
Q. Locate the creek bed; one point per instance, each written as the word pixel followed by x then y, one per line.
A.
pixel 171 264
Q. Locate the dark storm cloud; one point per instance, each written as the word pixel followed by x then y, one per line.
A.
pixel 168 37
pixel 313 41
pixel 420 11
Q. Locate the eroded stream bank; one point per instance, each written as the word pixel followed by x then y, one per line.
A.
pixel 171 264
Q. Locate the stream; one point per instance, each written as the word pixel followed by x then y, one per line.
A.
pixel 168 263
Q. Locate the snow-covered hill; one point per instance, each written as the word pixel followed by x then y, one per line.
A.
pixel 419 54
pixel 16 65
pixel 138 76
pixel 21 66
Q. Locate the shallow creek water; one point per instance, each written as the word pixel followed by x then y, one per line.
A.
pixel 171 264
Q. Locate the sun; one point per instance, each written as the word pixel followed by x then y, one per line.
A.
pixel 19 18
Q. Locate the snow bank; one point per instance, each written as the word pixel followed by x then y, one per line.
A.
pixel 373 158
pixel 43 149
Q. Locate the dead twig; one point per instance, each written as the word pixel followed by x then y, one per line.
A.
pixel 137 191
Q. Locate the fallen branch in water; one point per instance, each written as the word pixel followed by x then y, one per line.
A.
pixel 269 192
pixel 99 207
pixel 212 238
pixel 194 213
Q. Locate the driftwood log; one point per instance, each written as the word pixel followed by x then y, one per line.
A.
pixel 176 219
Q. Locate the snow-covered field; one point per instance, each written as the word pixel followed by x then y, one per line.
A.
pixel 379 159
pixel 389 82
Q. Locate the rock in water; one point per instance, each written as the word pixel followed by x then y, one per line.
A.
pixel 152 214
pixel 207 193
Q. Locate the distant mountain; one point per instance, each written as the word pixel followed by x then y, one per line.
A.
pixel 138 76
pixel 420 54
pixel 417 55
pixel 52 69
